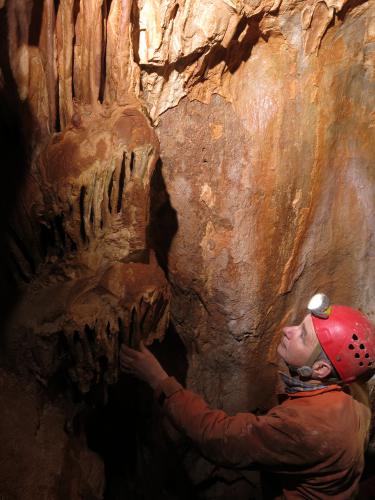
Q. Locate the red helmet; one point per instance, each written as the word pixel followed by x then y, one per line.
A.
pixel 348 339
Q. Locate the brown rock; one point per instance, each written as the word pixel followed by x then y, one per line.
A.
pixel 267 191
pixel 264 112
pixel 38 459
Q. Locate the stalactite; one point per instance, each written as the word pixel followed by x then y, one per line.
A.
pixel 119 64
pixel 91 181
pixel 64 42
pixel 263 191
pixel 93 214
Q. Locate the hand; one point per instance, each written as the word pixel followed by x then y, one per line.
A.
pixel 142 364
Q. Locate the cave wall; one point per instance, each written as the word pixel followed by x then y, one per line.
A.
pixel 40 456
pixel 78 276
pixel 232 139
pixel 268 160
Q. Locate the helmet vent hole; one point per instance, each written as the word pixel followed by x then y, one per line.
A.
pixel 367 355
pixel 369 363
pixel 360 363
pixel 362 346
pixel 357 355
pixel 355 337
pixel 351 346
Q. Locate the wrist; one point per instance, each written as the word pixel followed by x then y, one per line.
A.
pixel 166 389
pixel 158 379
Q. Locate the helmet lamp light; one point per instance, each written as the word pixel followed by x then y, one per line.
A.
pixel 319 306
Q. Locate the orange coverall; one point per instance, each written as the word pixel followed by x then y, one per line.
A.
pixel 314 440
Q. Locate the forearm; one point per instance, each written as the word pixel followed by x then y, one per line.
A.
pixel 219 436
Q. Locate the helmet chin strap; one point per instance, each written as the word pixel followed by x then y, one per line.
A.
pixel 306 371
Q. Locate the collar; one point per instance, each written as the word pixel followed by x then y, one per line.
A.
pixel 295 387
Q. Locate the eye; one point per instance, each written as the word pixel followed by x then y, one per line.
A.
pixel 304 332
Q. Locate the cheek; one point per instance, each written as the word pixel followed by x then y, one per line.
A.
pixel 296 351
pixel 280 349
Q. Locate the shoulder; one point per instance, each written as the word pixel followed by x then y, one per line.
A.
pixel 325 415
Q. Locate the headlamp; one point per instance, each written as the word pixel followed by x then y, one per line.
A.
pixel 319 306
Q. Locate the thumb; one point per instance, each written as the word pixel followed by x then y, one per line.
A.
pixel 142 347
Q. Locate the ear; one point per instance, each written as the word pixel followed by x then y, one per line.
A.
pixel 321 370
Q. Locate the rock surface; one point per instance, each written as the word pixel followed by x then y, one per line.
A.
pixel 83 276
pixel 272 180
pixel 78 230
pixel 38 458
pixel 264 192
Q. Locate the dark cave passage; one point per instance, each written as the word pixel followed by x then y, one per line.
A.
pixel 141 460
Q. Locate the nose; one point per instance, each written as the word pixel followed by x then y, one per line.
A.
pixel 289 331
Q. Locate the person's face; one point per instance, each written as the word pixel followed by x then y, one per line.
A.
pixel 298 343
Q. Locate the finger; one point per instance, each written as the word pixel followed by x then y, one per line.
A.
pixel 126 349
pixel 127 364
pixel 126 369
pixel 132 353
pixel 129 374
pixel 128 359
pixel 143 348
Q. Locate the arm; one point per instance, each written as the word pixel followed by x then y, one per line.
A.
pixel 242 440
pixel 235 441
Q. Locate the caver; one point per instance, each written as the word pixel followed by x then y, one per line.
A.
pixel 316 438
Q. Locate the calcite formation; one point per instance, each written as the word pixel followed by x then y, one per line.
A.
pixel 79 257
pixel 257 117
pixel 78 235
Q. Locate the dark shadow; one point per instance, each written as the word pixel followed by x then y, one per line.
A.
pixel 76 10
pixel 141 462
pixel 171 353
pixel 163 223
pixel 367 483
pixel 36 23
pixel 348 6
pixel 238 50
pixel 106 7
pixel 134 20
pixel 15 130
